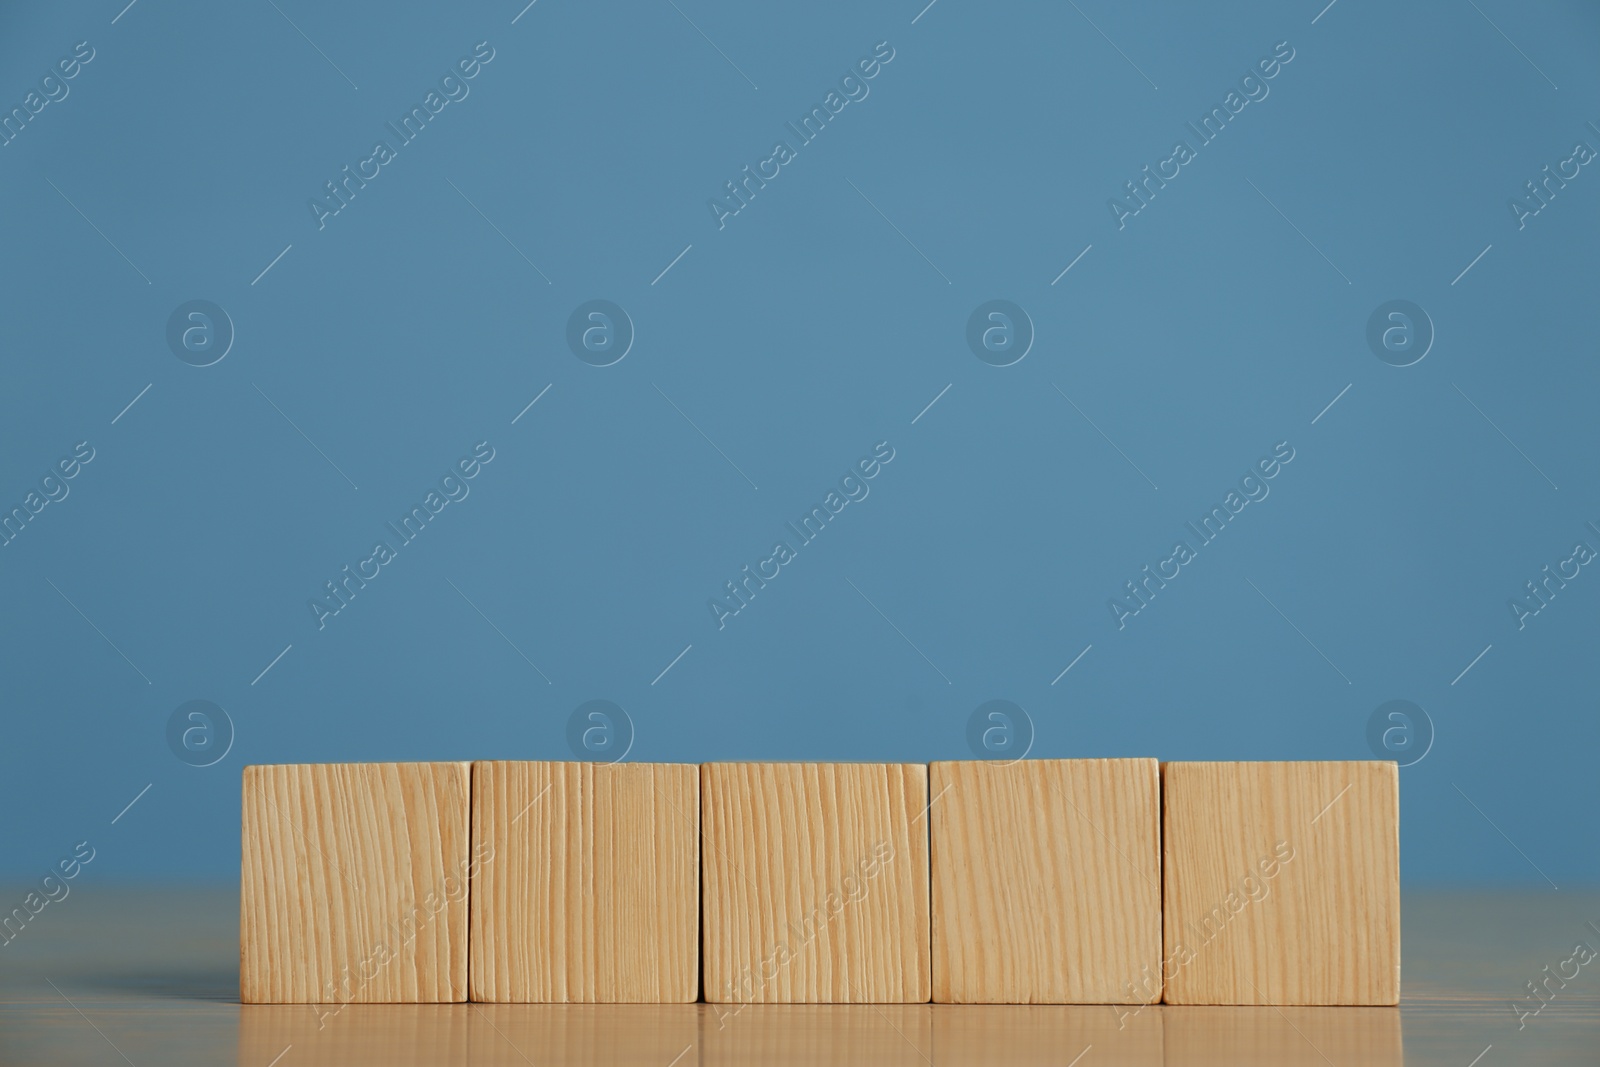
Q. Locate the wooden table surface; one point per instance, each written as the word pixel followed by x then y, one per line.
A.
pixel 150 976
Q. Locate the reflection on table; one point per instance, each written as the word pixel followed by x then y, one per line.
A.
pixel 889 1035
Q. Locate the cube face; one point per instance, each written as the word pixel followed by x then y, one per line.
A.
pixel 354 883
pixel 1046 882
pixel 592 891
pixel 815 883
pixel 1282 883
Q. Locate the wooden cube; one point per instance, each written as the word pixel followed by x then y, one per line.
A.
pixel 816 883
pixel 592 891
pixel 354 883
pixel 1282 883
pixel 1046 882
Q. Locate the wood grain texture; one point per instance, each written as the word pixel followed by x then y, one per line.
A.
pixel 353 883
pixel 1282 883
pixel 155 967
pixel 816 883
pixel 593 893
pixel 1046 882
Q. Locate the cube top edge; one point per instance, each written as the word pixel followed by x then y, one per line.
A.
pixel 355 763
pixel 813 763
pixel 1052 761
pixel 573 763
pixel 1283 763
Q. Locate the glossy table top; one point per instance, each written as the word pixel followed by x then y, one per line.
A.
pixel 150 976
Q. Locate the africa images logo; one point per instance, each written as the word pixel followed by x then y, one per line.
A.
pixel 853 88
pixel 853 487
pixel 453 488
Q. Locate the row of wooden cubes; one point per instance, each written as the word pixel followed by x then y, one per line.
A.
pixel 1115 881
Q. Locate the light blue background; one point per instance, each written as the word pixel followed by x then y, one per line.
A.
pixel 795 338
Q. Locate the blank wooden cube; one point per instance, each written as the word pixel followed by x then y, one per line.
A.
pixel 1046 882
pixel 353 883
pixel 1282 883
pixel 592 894
pixel 816 883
